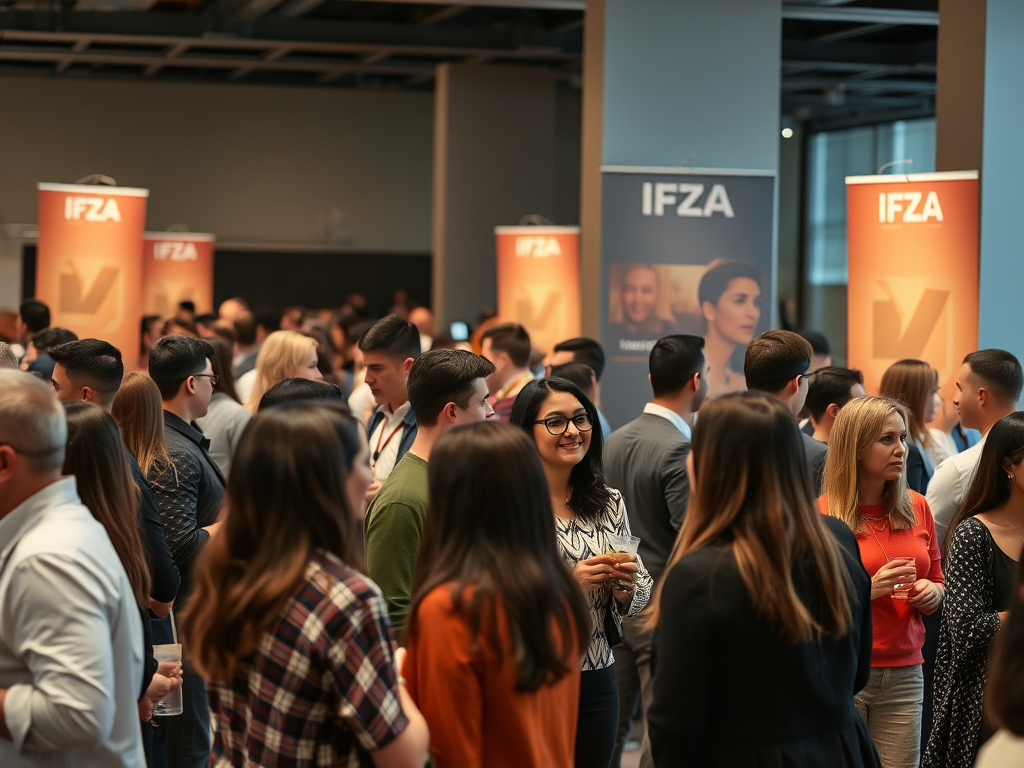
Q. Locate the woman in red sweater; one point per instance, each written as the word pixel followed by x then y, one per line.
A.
pixel 865 486
pixel 498 626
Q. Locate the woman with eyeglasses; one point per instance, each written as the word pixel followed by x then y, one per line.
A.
pixel 563 423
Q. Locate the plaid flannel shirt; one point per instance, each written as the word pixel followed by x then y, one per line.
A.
pixel 322 689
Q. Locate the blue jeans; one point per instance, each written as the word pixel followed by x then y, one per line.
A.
pixel 891 707
pixel 184 739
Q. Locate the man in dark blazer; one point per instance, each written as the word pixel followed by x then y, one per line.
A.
pixel 646 461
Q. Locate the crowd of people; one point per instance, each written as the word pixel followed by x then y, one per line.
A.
pixel 377 546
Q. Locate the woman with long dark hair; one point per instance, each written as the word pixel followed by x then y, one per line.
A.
pixel 293 641
pixel 866 487
pixel 764 614
pixel 563 423
pixel 1004 697
pixel 981 561
pixel 97 458
pixel 498 624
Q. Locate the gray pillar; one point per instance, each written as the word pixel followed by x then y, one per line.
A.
pixel 494 162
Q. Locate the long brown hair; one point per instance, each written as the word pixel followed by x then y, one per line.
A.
pixel 139 412
pixel 859 424
pixel 751 490
pixel 223 368
pixel 285 498
pixel 990 488
pixel 912 383
pixel 96 457
pixel 507 555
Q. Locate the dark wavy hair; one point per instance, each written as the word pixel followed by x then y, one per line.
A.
pixel 990 488
pixel 504 561
pixel 589 495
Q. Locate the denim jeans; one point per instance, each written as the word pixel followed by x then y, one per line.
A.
pixel 891 707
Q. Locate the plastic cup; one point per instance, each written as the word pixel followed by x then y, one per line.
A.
pixel 902 590
pixel 622 549
pixel 171 703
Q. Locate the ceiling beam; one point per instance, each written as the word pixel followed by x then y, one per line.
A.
pixel 848 34
pixel 443 15
pixel 858 15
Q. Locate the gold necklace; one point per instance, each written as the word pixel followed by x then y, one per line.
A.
pixel 1007 519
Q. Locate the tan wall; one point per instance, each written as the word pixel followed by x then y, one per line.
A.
pixel 248 163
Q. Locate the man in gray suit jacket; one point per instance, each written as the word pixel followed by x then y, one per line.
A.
pixel 779 363
pixel 646 461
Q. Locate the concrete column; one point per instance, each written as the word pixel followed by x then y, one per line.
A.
pixel 979 119
pixel 494 162
pixel 1002 174
pixel 672 83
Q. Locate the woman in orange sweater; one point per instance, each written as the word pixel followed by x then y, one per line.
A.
pixel 865 486
pixel 498 624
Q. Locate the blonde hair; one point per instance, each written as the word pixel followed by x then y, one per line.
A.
pixel 280 355
pixel 857 426
pixel 751 491
pixel 911 382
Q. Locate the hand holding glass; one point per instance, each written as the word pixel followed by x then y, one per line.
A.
pixel 901 591
pixel 171 704
pixel 621 549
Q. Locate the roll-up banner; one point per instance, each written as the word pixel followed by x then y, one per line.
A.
pixel 683 251
pixel 177 266
pixel 912 254
pixel 539 281
pixel 89 260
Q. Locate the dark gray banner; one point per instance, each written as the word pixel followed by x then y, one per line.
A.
pixel 681 252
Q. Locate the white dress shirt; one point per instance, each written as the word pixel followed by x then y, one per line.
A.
pixel 943 445
pixel 949 485
pixel 70 639
pixel 676 420
pixel 389 431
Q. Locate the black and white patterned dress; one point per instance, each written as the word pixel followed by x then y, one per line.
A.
pixel 580 540
pixel 975 593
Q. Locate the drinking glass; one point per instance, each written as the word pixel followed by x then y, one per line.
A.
pixel 621 549
pixel 902 591
pixel 171 703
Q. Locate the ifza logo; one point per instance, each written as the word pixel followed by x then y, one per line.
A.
pixel 173 250
pixel 94 209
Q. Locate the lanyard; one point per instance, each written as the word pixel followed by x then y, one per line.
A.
pixel 380 447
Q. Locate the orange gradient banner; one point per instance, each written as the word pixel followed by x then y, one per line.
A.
pixel 912 251
pixel 176 267
pixel 539 281
pixel 89 260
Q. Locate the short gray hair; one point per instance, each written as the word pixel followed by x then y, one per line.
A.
pixel 7 357
pixel 32 421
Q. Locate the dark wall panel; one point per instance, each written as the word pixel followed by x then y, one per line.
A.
pixel 319 279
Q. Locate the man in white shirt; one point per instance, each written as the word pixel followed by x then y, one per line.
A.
pixel 389 348
pixel 646 461
pixel 70 632
pixel 988 387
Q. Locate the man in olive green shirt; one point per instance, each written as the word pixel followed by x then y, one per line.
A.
pixel 446 387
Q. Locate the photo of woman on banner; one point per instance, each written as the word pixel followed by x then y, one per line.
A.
pixel 641 297
pixel 730 302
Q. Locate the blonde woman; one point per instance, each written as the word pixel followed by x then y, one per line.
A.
pixel 915 384
pixel 865 486
pixel 284 355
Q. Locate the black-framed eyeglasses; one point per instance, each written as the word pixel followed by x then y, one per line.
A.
pixel 806 376
pixel 213 377
pixel 558 425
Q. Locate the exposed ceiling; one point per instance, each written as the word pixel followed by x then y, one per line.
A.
pixel 843 62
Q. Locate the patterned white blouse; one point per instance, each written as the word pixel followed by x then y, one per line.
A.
pixel 580 540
